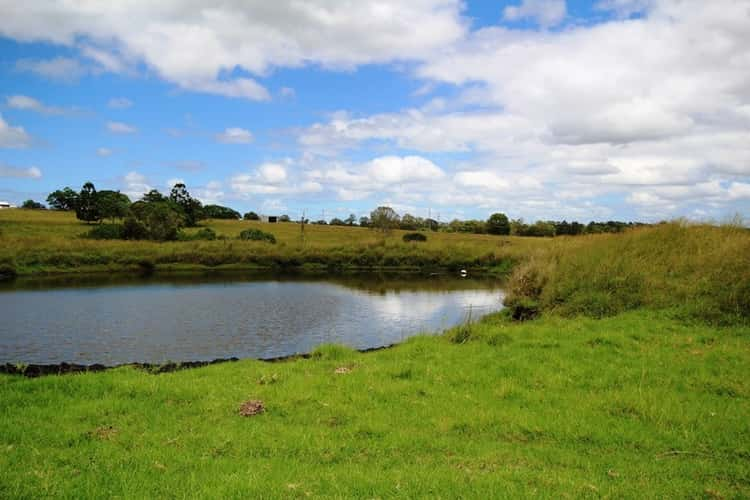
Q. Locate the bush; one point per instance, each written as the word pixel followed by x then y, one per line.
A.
pixel 107 232
pixel 414 237
pixel 205 233
pixel 7 271
pixel 257 235
pixel 133 229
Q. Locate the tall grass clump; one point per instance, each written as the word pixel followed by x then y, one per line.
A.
pixel 702 270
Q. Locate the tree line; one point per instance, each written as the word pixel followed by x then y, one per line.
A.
pixel 160 217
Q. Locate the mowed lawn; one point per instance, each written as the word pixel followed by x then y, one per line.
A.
pixel 640 405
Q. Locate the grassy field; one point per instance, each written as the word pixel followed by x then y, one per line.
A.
pixel 634 381
pixel 38 242
pixel 641 405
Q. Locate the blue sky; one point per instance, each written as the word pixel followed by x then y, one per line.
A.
pixel 618 109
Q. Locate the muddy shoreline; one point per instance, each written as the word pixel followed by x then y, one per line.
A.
pixel 33 370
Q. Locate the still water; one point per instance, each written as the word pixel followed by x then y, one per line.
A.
pixel 207 317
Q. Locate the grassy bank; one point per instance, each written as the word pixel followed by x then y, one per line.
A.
pixel 640 405
pixel 38 242
pixel 702 270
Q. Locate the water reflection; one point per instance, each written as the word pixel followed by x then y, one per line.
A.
pixel 185 318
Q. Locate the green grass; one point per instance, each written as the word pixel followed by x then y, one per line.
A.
pixel 640 405
pixel 703 270
pixel 38 242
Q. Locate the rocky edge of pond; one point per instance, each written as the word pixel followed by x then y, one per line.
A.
pixel 33 370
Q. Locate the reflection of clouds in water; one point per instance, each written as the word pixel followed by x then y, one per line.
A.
pixel 405 305
pixel 162 322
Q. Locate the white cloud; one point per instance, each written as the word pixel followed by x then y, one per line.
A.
pixel 121 128
pixel 13 137
pixel 27 103
pixel 120 103
pixel 270 179
pixel 396 169
pixel 192 46
pixel 135 185
pixel 235 135
pixel 20 173
pixel 633 107
pixel 546 12
pixel 64 69
pixel 104 152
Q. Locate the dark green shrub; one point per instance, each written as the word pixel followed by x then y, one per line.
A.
pixel 106 232
pixel 133 229
pixel 414 237
pixel 7 271
pixel 205 233
pixel 257 235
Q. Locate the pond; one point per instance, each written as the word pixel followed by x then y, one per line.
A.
pixel 197 318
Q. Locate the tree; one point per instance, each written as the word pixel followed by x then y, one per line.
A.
pixel 219 212
pixel 153 196
pixel 351 220
pixel 32 205
pixel 251 216
pixel 63 199
pixel 432 224
pixel 87 208
pixel 337 222
pixel 284 218
pixel 159 221
pixel 192 209
pixel 364 221
pixel 112 204
pixel 384 219
pixel 409 222
pixel 498 224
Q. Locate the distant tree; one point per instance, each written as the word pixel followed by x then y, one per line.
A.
pixel 321 222
pixel 87 208
pixel 192 209
pixel 284 218
pixel 409 222
pixel 431 224
pixel 384 219
pixel 337 222
pixel 153 196
pixel 112 204
pixel 219 212
pixel 159 221
pixel 251 216
pixel 351 220
pixel 63 199
pixel 498 223
pixel 364 221
pixel 32 205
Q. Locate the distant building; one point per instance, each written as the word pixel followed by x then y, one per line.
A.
pixel 5 204
pixel 273 219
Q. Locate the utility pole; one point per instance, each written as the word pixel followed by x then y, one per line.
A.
pixel 302 228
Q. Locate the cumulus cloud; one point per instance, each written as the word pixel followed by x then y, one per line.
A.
pixel 545 12
pixel 270 179
pixel 20 173
pixel 196 47
pixel 13 137
pixel 135 185
pixel 627 109
pixel 121 128
pixel 104 152
pixel 235 135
